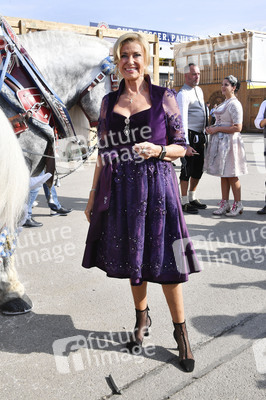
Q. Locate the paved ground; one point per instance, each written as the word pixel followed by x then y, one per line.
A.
pixel 77 309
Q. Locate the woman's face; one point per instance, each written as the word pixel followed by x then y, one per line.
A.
pixel 132 62
pixel 227 88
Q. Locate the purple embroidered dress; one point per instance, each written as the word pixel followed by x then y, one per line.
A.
pixel 137 228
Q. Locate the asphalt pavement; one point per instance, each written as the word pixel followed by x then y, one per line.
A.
pixel 71 345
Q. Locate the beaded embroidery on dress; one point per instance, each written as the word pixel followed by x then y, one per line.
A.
pixel 134 236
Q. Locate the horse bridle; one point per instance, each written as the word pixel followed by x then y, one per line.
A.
pixel 107 68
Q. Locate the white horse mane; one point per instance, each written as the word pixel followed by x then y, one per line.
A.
pixel 14 182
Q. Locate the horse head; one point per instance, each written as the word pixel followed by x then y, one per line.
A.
pixel 70 62
pixel 103 82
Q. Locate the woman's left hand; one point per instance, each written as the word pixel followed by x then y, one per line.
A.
pixel 147 149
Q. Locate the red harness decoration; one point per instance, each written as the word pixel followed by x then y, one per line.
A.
pixel 21 75
pixel 19 123
pixel 2 44
pixel 31 100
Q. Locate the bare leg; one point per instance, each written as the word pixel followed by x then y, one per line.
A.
pixel 236 187
pixel 184 187
pixel 225 187
pixel 174 297
pixel 193 184
pixel 140 296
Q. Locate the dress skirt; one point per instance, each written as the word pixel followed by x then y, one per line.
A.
pixel 137 228
pixel 225 155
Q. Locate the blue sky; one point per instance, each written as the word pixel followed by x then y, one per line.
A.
pixel 194 17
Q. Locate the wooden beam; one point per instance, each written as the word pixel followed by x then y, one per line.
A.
pixel 99 33
pixel 156 62
pixel 22 27
pixel 39 25
pixel 25 25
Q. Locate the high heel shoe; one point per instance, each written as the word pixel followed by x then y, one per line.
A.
pixel 186 359
pixel 142 327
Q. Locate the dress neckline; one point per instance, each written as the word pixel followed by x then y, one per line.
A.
pixel 226 101
pixel 221 108
pixel 132 115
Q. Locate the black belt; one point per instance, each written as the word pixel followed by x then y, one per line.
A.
pixel 196 133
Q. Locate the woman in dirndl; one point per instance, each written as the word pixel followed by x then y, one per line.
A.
pixel 137 228
pixel 225 156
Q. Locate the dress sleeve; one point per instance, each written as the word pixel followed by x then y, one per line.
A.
pixel 102 129
pixel 175 130
pixel 236 111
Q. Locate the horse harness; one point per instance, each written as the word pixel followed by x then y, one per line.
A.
pixel 30 96
pixel 107 68
pixel 25 89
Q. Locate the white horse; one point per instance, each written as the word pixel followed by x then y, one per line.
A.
pixel 68 62
pixel 14 186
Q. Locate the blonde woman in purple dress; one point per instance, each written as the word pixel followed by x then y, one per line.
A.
pixel 225 155
pixel 137 228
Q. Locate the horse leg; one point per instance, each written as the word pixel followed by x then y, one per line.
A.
pixel 10 287
pixel 11 290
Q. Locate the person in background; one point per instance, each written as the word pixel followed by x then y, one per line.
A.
pixel 260 123
pixel 52 200
pixel 225 156
pixel 192 108
pixel 137 228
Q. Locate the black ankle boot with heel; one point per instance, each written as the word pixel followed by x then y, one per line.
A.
pixel 186 359
pixel 142 326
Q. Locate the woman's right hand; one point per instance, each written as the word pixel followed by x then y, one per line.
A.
pixel 88 210
pixel 210 130
pixel 190 151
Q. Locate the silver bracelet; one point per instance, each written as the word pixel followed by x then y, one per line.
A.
pixel 92 190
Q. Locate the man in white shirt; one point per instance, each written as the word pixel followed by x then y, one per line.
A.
pixel 192 108
pixel 260 123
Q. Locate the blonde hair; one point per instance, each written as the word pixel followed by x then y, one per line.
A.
pixel 132 37
pixel 14 182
